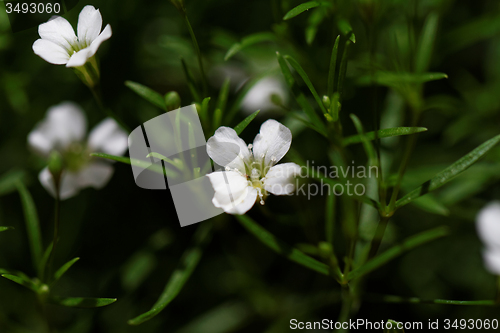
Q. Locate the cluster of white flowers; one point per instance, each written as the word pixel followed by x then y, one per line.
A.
pixel 252 172
pixel 488 229
pixel 64 130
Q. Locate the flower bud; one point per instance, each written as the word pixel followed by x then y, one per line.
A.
pixel 172 100
pixel 326 101
pixel 55 164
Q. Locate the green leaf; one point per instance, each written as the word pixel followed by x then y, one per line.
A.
pixel 397 250
pixel 369 149
pixel 45 259
pixel 223 95
pixel 300 9
pixel 343 68
pixel 396 327
pixel 60 272
pixel 32 224
pixel 244 123
pixel 449 173
pixel 148 94
pixel 333 66
pixel 346 29
pixel 126 160
pixel 9 180
pixel 81 302
pixel 187 264
pixel 315 19
pixel 396 79
pixel 426 43
pixel 6 228
pixel 430 204
pixel 300 97
pixel 22 281
pixel 385 133
pixel 281 247
pixel 308 82
pixel 258 37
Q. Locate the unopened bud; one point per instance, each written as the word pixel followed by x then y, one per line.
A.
pixel 172 100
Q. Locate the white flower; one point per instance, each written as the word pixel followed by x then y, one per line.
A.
pixel 259 96
pixel 64 129
pixel 251 172
pixel 59 45
pixel 488 229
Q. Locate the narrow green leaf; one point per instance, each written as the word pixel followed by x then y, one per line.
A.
pixel 223 95
pixel 449 173
pixel 60 272
pixel 22 281
pixel 395 327
pixel 9 180
pixel 346 29
pixel 258 37
pixel 416 300
pixel 397 250
pixel 299 96
pixel 281 247
pixel 244 123
pixel 315 19
pixel 343 68
pixel 148 94
pixel 300 9
pixel 128 160
pixel 45 259
pixel 430 204
pixel 81 302
pixel 187 264
pixel 308 82
pixel 6 228
pixel 217 119
pixel 396 79
pixel 333 66
pixel 369 149
pixel 385 133
pixel 426 43
pixel 32 224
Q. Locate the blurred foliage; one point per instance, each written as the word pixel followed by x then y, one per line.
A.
pixel 128 239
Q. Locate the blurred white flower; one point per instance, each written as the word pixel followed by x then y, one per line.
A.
pixel 259 96
pixel 251 172
pixel 488 229
pixel 64 129
pixel 59 45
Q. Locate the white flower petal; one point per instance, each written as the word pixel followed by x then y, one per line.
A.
pixel 108 137
pixel 58 31
pixel 95 175
pixel 79 58
pixel 492 260
pixel 280 180
pixel 272 142
pixel 64 123
pixel 227 149
pixel 488 224
pixel 232 192
pixel 89 24
pixel 259 96
pixel 69 184
pixel 50 52
pixel 105 35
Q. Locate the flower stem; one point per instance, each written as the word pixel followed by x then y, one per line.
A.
pixel 345 310
pixel 379 235
pixel 57 209
pixel 198 54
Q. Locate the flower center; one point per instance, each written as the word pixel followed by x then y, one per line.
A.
pixel 75 156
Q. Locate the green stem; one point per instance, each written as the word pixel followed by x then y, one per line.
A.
pixel 379 235
pixel 198 54
pixel 345 310
pixel 49 271
pixel 498 289
pixel 415 300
